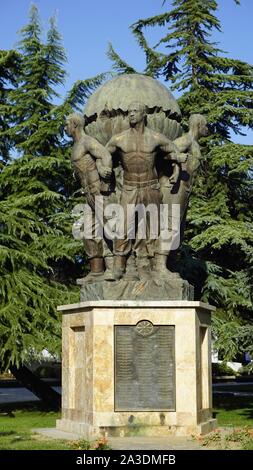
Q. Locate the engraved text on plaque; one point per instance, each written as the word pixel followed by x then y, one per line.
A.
pixel 144 367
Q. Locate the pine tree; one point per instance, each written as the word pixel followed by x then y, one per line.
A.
pixel 28 288
pixel 9 71
pixel 39 258
pixel 118 64
pixel 217 256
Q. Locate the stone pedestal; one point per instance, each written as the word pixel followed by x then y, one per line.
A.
pixel 156 351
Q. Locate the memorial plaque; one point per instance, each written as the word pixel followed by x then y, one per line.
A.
pixel 144 367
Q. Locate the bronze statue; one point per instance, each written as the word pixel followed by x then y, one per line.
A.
pixel 138 166
pixel 176 188
pixel 84 152
pixel 138 147
pixel 188 143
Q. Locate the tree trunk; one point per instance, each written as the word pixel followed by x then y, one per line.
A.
pixel 42 390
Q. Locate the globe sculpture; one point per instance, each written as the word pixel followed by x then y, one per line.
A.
pixel 105 112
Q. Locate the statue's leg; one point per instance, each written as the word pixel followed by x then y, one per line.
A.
pixel 123 245
pixel 94 250
pixel 131 268
pixel 148 228
pixel 164 243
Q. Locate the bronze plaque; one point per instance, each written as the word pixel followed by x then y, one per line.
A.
pixel 144 367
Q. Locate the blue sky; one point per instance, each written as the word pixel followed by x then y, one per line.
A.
pixel 87 27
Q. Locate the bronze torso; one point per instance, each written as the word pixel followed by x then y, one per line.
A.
pixel 85 168
pixel 138 153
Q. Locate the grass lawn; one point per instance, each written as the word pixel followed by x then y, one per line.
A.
pixel 233 411
pixel 15 428
pixel 16 423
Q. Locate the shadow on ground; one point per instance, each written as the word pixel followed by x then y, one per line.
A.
pixel 243 405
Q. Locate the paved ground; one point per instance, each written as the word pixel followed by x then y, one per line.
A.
pixel 130 443
pixel 153 443
pixel 18 395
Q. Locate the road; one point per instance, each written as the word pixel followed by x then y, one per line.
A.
pixel 18 394
pixel 236 389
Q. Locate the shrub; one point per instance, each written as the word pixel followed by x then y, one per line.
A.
pixel 221 368
pixel 246 369
pixel 49 371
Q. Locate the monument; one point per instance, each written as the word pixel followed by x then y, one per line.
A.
pixel 136 353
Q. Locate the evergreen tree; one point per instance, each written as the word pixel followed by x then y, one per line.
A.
pixel 118 64
pixel 28 287
pixel 39 258
pixel 9 71
pixel 217 255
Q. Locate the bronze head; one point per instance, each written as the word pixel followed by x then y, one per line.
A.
pixel 136 113
pixel 198 124
pixel 73 121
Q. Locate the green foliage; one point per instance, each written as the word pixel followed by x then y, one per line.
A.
pixel 233 410
pixel 246 370
pixel 16 429
pixel 231 336
pixel 220 369
pixel 218 241
pixel 119 65
pixel 31 248
pixel 39 259
pixel 9 72
pixel 82 89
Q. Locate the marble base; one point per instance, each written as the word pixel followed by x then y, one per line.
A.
pixel 160 289
pixel 88 396
pixel 93 432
